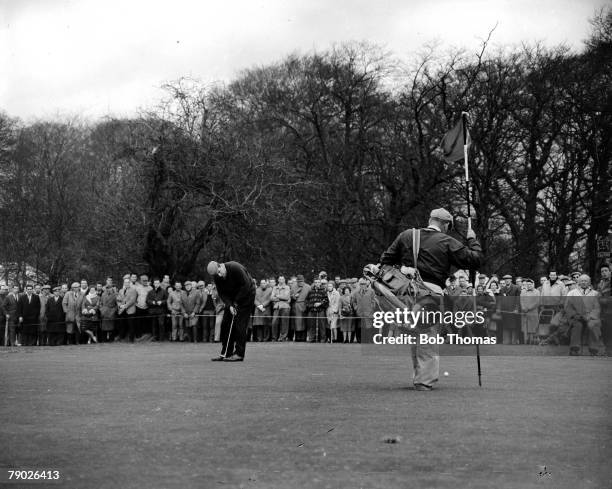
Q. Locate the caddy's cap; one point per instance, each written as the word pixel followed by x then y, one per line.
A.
pixel 441 214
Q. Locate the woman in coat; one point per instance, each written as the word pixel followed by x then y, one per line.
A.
pixel 108 312
pixel 347 323
pixel 90 308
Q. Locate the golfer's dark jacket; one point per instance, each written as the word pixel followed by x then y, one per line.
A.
pixel 237 287
pixel 438 253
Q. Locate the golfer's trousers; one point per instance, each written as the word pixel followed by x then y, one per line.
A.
pixel 234 341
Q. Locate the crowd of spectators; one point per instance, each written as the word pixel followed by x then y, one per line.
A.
pixel 561 309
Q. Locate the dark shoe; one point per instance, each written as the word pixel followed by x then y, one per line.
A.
pixel 234 358
pixel 574 352
pixel 217 359
pixel 422 387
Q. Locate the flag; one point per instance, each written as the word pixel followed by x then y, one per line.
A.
pixel 452 142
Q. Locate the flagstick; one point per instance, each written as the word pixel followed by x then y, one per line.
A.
pixel 469 214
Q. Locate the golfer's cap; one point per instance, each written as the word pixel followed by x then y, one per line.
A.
pixel 75 284
pixel 507 276
pixel 212 268
pixel 441 214
pixel 201 283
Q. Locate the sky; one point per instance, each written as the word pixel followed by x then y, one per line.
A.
pixel 95 58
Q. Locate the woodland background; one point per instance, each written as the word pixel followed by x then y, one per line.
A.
pixel 316 162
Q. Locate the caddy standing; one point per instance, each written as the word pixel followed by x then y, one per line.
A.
pixel 438 253
pixel 237 290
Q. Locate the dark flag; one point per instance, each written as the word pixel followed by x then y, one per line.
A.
pixel 452 142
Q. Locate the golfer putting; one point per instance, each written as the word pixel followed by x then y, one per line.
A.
pixel 237 291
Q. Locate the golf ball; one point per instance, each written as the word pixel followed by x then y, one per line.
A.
pixel 445 374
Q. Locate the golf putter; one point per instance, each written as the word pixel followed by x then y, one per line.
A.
pixel 229 336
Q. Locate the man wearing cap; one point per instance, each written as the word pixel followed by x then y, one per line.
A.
pixel 582 309
pixel 438 253
pixel 237 290
pixel 72 310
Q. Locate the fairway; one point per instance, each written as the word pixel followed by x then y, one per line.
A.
pixel 302 416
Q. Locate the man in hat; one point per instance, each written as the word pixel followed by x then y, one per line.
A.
pixel 237 290
pixel 438 253
pixel 299 293
pixel 56 328
pixel 71 304
pixel 582 309
pixel 45 292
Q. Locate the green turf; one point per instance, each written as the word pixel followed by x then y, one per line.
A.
pixel 302 416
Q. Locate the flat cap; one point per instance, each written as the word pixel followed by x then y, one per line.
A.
pixel 507 276
pixel 201 283
pixel 212 268
pixel 300 277
pixel 528 280
pixel 46 286
pixel 75 284
pixel 56 288
pixel 441 214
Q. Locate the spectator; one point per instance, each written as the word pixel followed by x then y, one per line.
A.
pixel 316 303
pixel 364 305
pixel 90 307
pixel 72 310
pixel 606 304
pixel 10 314
pixel 347 322
pixel 175 306
pixel 261 319
pixel 43 338
pixel 142 320
pixel 451 287
pixel 28 310
pixel 157 299
pixel 530 307
pixel 281 300
pixel 553 293
pixel 299 296
pixel 582 309
pixel 485 303
pixel 191 304
pixel 126 310
pixel 333 311
pixel 165 283
pixel 56 328
pixel 509 301
pixel 207 312
pixel 108 311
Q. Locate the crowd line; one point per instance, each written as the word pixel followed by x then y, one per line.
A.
pixel 562 309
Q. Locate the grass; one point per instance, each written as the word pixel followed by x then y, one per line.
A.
pixel 302 416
